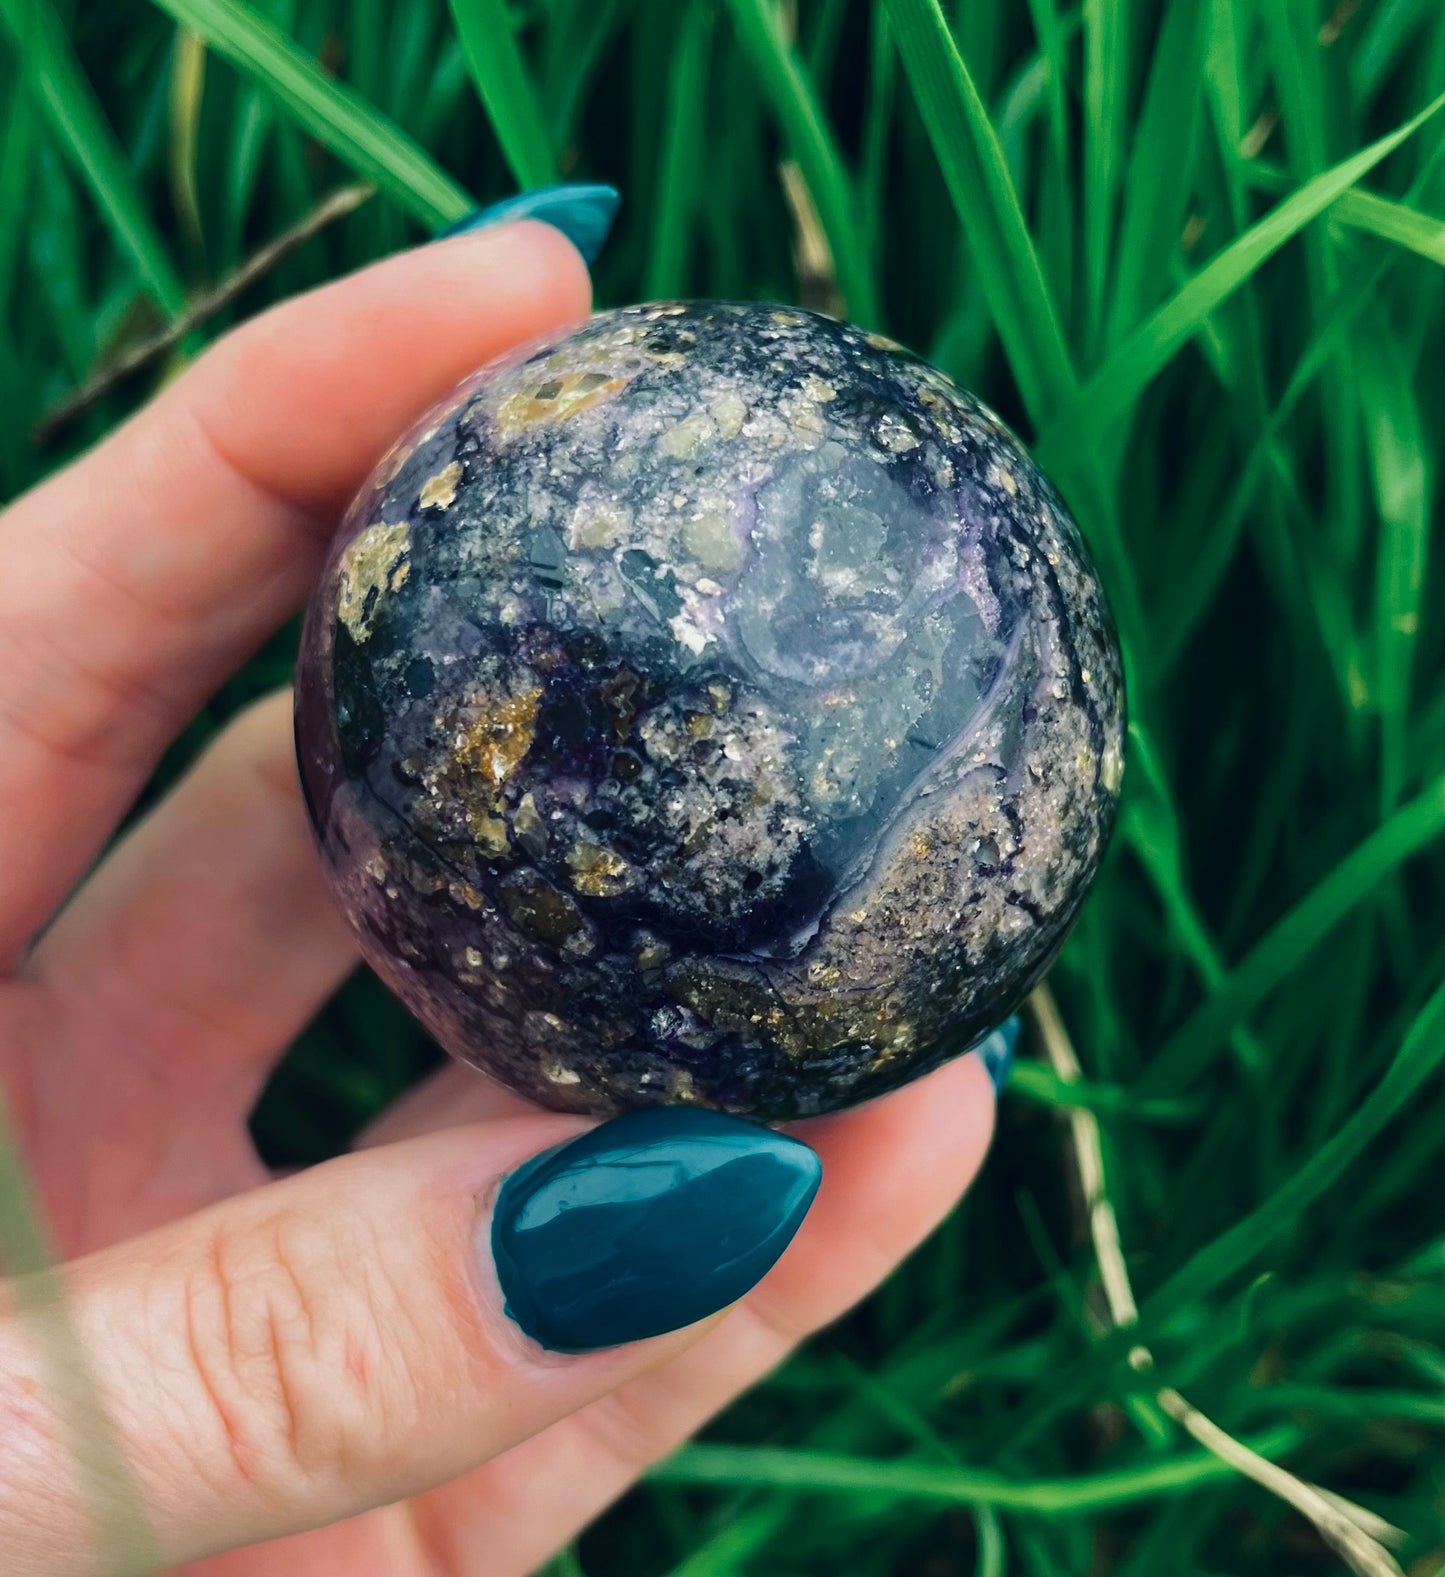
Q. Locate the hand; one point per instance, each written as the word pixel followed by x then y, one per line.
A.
pixel 305 1354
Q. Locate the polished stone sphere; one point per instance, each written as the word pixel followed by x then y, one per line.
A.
pixel 714 705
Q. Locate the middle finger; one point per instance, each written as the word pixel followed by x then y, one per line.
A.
pixel 198 949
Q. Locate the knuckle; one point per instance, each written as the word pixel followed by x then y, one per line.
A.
pixel 74 713
pixel 248 358
pixel 286 1336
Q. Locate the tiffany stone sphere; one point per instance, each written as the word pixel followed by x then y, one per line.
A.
pixel 714 705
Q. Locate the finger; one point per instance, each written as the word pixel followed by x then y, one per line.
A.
pixel 891 1171
pixel 338 1340
pixel 453 1095
pixel 201 945
pixel 146 571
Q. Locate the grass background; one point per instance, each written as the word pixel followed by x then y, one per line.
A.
pixel 1193 251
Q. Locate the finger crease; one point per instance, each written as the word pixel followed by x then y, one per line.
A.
pixel 87 747
pixel 236 1453
pixel 274 497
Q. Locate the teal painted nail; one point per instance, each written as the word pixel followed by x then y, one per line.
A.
pixel 584 214
pixel 996 1050
pixel 646 1224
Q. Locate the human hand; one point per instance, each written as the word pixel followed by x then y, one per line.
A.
pixel 322 1360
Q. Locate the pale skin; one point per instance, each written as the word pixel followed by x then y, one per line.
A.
pixel 320 1362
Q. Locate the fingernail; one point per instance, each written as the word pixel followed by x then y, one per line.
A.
pixel 584 214
pixel 646 1224
pixel 996 1050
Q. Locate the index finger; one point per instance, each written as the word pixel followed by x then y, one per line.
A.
pixel 137 578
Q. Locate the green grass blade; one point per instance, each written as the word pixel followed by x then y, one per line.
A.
pixel 879 118
pixel 992 1547
pixel 810 138
pixel 505 88
pixel 252 132
pixel 1391 221
pixel 1024 102
pixel 1055 200
pixel 1031 1081
pixel 1369 213
pixel 1151 826
pixel 822 48
pixel 58 274
pixel 1386 35
pixel 1053 58
pixel 1223 75
pixel 187 97
pixel 1208 567
pixel 19 138
pixel 680 184
pixel 1114 388
pixel 442 92
pixel 80 128
pixel 338 117
pixel 1352 882
pixel 1106 45
pixel 1295 68
pixel 1396 446
pixel 740 1537
pixel 1418 1059
pixel 972 162
pixel 1157 186
pixel 566 88
pixel 824 1472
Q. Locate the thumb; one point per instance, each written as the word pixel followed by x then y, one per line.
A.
pixel 389 1320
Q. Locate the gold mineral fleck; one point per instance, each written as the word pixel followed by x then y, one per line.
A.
pixel 894 434
pixel 713 542
pixel 440 491
pixel 489 831
pixel 555 399
pixel 808 420
pixel 464 892
pixel 1111 772
pixel 729 412
pixel 527 822
pixel 653 955
pixel 598 872
pixel 373 565
pixel 683 440
pixel 600 525
pixel 497 734
pixel 681 1088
